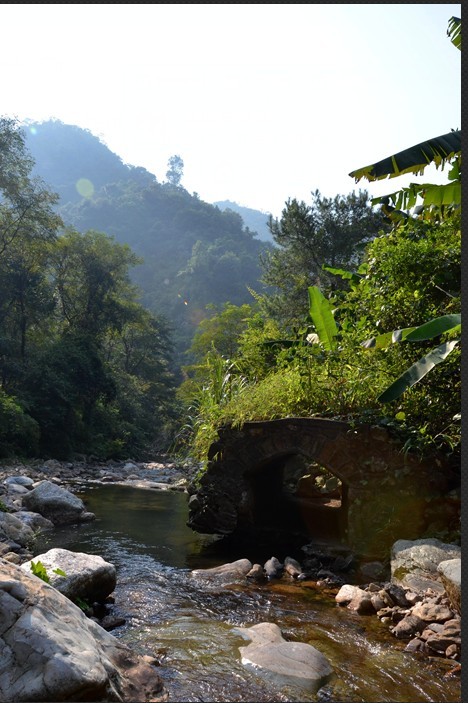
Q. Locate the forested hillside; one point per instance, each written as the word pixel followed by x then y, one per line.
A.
pixel 73 162
pixel 84 367
pixel 255 220
pixel 192 253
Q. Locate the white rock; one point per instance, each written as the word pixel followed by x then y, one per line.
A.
pixel 88 576
pixel 290 662
pixel 50 651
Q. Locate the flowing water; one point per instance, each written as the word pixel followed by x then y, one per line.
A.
pixel 190 626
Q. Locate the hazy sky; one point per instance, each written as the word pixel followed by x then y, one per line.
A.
pixel 262 102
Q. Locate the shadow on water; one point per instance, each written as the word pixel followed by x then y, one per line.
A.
pixel 190 626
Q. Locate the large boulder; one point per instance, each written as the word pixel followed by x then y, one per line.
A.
pixel 292 662
pixel 450 575
pixel 414 562
pixel 50 651
pixel 56 504
pixel 88 576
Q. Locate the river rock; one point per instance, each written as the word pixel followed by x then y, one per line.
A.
pixel 432 612
pixel 50 651
pixel 88 576
pixel 15 489
pixel 346 593
pixel 226 573
pixel 12 528
pixel 292 662
pixel 256 573
pixel 450 575
pixel 356 599
pixel 408 626
pixel 293 568
pixel 34 520
pixel 57 504
pixel 273 568
pixel 19 480
pixel 419 558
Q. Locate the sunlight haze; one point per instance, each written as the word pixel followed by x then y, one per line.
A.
pixel 263 102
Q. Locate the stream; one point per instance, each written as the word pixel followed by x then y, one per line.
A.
pixel 190 626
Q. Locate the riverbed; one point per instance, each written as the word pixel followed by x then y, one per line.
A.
pixel 190 626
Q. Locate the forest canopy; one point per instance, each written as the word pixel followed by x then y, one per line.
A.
pixel 84 367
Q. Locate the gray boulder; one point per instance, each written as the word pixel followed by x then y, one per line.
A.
pixel 34 520
pixel 50 651
pixel 88 576
pixel 20 481
pixel 450 575
pixel 16 489
pixel 295 663
pixel 414 562
pixel 56 503
pixel 13 529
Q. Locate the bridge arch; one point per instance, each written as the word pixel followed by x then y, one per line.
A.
pixel 384 493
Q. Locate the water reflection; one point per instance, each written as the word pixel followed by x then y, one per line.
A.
pixel 191 628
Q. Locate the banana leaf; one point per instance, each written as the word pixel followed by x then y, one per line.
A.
pixel 350 276
pixel 417 371
pixel 428 330
pixel 414 159
pixel 435 327
pixel 322 316
pixel 382 341
pixel 433 195
pixel 454 31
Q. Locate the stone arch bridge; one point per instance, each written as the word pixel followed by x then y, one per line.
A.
pixel 259 478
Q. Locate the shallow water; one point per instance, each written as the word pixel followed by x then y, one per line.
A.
pixel 191 626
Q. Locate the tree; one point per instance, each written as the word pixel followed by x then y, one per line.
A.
pixel 221 331
pixel 175 170
pixel 28 227
pixel 331 231
pixel 440 202
pixel 92 282
pixel 83 367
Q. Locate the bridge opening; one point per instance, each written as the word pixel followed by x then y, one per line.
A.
pixel 293 493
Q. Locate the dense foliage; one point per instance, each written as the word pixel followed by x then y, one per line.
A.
pixel 331 231
pixel 83 366
pixel 341 358
pixel 411 275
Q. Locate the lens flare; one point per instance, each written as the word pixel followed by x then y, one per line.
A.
pixel 84 187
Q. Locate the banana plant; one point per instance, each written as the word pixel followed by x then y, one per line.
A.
pixel 437 200
pixel 321 314
pixel 417 371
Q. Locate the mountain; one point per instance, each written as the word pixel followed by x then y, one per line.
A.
pixel 193 253
pixel 255 220
pixel 70 159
